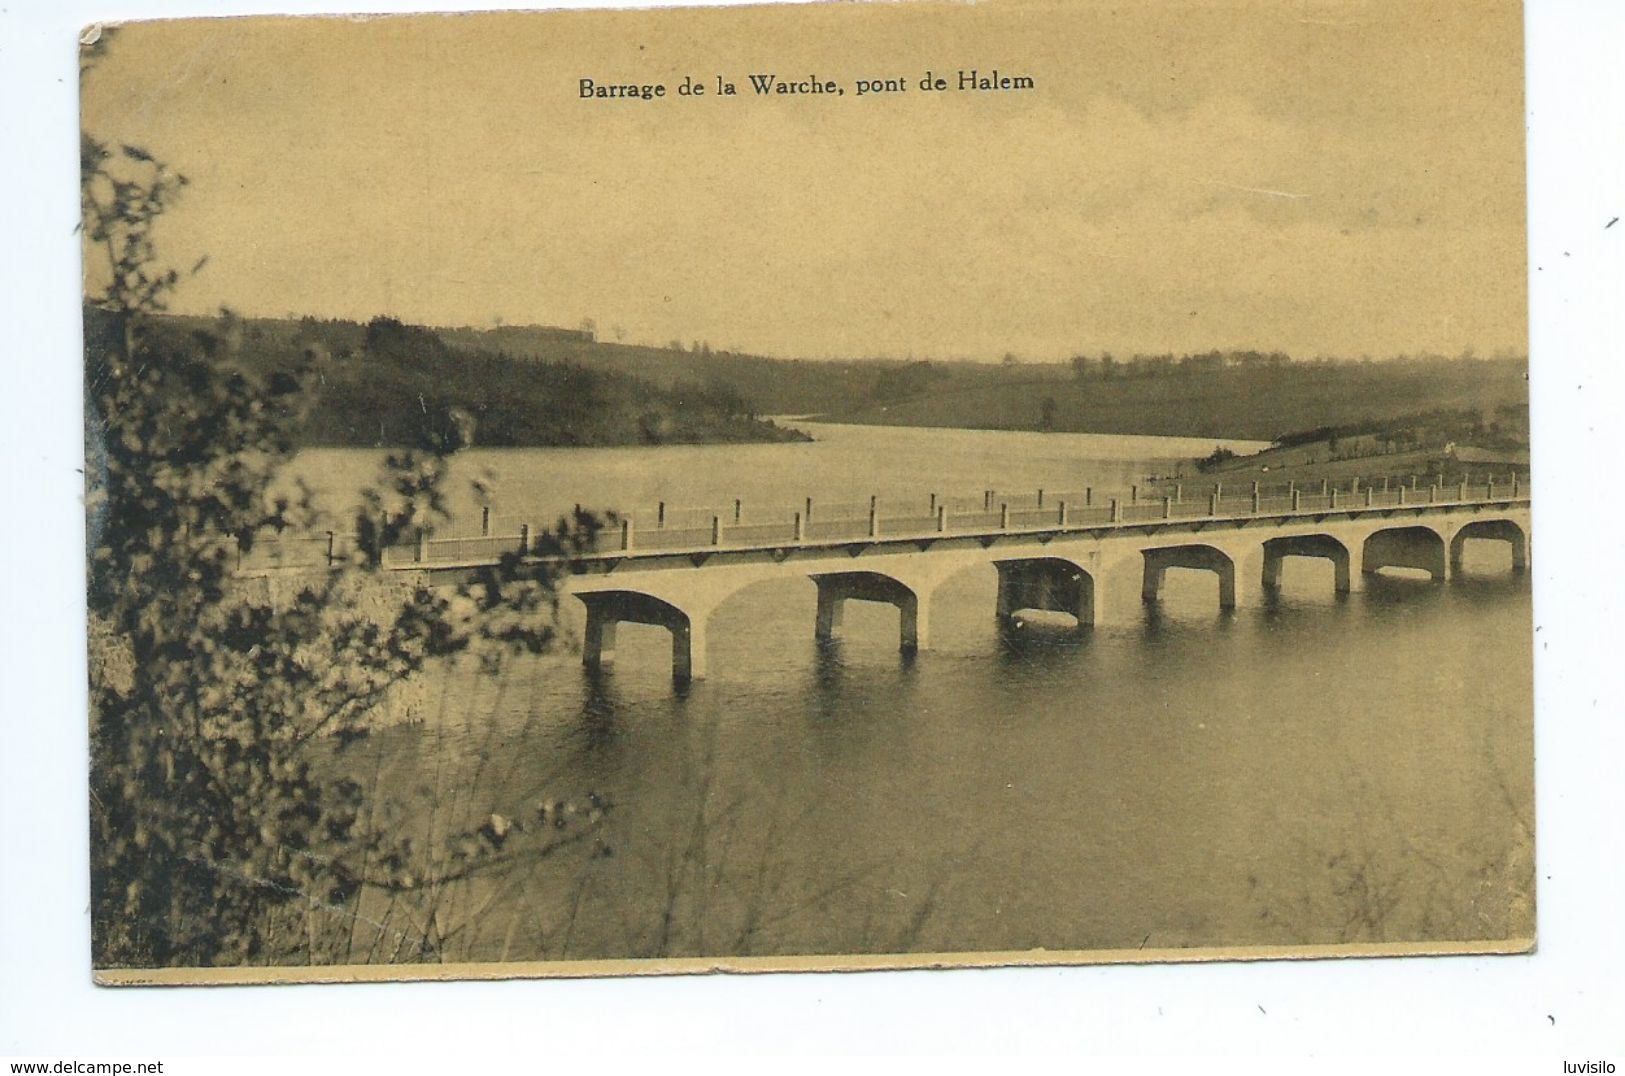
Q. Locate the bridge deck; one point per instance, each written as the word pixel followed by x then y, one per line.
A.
pixel 813 528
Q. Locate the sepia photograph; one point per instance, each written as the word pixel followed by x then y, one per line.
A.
pixel 806 487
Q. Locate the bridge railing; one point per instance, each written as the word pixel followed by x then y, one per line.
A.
pixel 490 536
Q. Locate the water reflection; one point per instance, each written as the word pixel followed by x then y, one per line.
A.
pixel 598 722
pixel 1027 645
pixel 827 676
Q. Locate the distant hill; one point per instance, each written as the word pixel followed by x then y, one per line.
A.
pixel 1245 395
pixel 544 385
pixel 384 383
pixel 1255 401
pixel 771 386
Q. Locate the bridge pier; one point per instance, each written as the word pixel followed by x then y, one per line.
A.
pixel 1048 584
pixel 831 612
pixel 1418 547
pixel 835 589
pixel 1038 569
pixel 1493 530
pixel 598 640
pixel 688 651
pixel 608 609
pixel 1236 587
pixel 1324 546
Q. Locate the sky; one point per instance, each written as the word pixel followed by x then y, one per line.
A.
pixel 1342 178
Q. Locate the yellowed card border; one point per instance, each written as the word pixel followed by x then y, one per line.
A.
pixel 578 969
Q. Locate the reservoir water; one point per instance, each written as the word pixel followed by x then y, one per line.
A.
pixel 1321 770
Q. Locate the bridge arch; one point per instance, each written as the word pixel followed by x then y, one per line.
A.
pixel 608 608
pixel 1052 584
pixel 1504 530
pixel 1415 546
pixel 1201 557
pixel 1323 546
pixel 835 589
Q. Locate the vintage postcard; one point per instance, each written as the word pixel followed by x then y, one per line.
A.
pixel 820 486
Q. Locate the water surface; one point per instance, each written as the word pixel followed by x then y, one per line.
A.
pixel 1320 770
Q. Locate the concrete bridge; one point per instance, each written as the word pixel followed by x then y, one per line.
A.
pixel 1048 557
pixel 1052 552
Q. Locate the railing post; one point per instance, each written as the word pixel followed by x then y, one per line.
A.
pixel 1040 496
pixel 1117 511
pixel 1416 484
pixel 1255 498
pixel 485 521
pixel 1331 498
pixel 1401 495
pixel 380 551
pixel 1088 496
pixel 1514 483
pixel 626 533
pixel 874 519
pixel 933 510
pixel 942 518
pixel 1489 487
pixel 809 511
pixel 660 515
pixel 1004 516
pixel 1433 492
pixel 1295 501
pixel 1385 483
pixel 987 500
pixel 1167 507
pixel 421 553
pixel 738 509
pixel 1213 502
pixel 1179 493
pixel 1325 487
pixel 716 530
pixel 1218 490
pixel 1134 495
pixel 1368 496
pixel 1354 486
pixel 800 531
pixel 330 543
pixel 1461 493
pixel 1060 515
pixel 524 539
